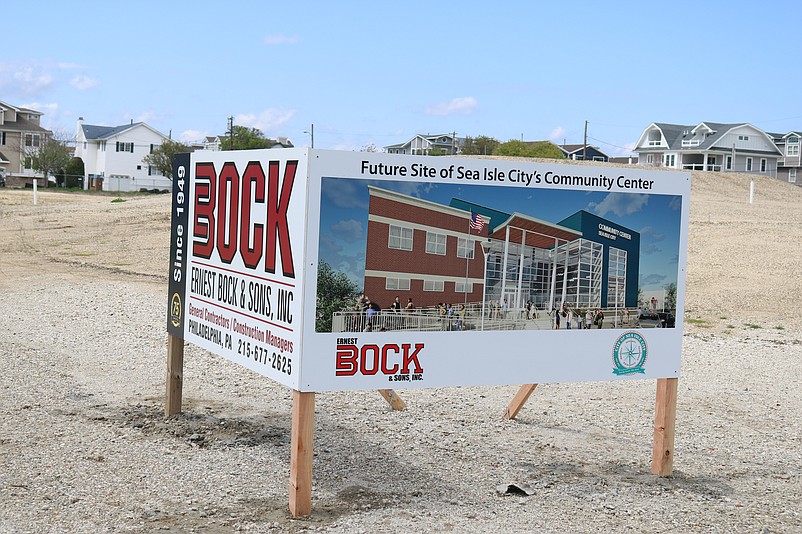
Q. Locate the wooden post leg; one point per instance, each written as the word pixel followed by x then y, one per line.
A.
pixel 175 375
pixel 665 418
pixel 301 451
pixel 396 402
pixel 519 400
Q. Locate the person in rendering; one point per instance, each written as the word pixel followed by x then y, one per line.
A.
pixel 588 319
pixel 599 319
pixel 556 319
pixel 569 317
pixel 579 318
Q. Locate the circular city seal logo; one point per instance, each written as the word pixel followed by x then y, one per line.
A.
pixel 175 310
pixel 629 353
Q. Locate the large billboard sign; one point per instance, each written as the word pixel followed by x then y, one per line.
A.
pixel 328 270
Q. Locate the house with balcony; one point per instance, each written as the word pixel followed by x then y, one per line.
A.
pixel 424 145
pixel 789 166
pixel 709 146
pixel 20 136
pixel 113 156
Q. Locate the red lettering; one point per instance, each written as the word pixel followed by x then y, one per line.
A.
pixel 277 227
pixel 363 368
pixel 409 358
pixel 391 370
pixel 227 212
pixel 253 191
pixel 203 225
pixel 346 364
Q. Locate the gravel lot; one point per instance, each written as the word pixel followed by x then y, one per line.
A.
pixel 85 447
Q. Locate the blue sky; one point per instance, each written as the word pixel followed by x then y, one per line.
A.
pixel 376 73
pixel 344 211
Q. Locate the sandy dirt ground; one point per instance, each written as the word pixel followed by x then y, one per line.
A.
pixel 85 447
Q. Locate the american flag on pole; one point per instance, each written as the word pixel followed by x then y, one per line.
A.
pixel 477 223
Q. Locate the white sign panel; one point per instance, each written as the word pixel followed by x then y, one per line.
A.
pixel 335 271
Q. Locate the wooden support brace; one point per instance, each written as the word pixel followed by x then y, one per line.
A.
pixel 665 418
pixel 519 400
pixel 396 402
pixel 301 453
pixel 175 375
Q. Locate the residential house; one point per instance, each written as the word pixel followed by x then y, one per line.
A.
pixel 425 144
pixel 789 164
pixel 113 155
pixel 215 142
pixel 709 146
pixel 20 134
pixel 584 152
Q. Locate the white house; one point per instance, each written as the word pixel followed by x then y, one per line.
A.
pixel 709 146
pixel 114 154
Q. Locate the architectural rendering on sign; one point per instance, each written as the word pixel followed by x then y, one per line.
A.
pixel 434 249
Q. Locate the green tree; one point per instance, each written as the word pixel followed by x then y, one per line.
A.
pixel 521 149
pixel 437 152
pixel 73 173
pixel 244 138
pixel 50 157
pixel 671 296
pixel 335 292
pixel 162 157
pixel 479 146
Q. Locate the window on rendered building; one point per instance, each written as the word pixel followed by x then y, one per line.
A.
pixel 792 175
pixel 748 164
pixel 397 284
pixel 435 243
pixel 616 278
pixel 400 238
pixel 465 248
pixel 433 285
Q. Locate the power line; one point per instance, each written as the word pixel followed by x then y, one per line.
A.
pixel 610 144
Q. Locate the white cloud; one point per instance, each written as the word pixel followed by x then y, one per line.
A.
pixel 47 109
pixel 280 39
pixel 557 134
pixel 457 106
pixel 83 83
pixel 190 136
pixel 268 120
pixel 620 204
pixel 25 79
pixel 349 231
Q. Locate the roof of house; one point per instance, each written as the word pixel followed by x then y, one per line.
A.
pixel 94 132
pixel 433 139
pixel 23 125
pixel 675 133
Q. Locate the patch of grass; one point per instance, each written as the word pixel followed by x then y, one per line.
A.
pixel 701 323
pixel 753 326
pixel 723 318
pixel 118 199
pixel 730 326
pixel 779 327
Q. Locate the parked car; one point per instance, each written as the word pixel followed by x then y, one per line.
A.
pixel 2 178
pixel 667 318
pixel 656 320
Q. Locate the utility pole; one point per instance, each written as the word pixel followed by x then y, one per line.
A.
pixel 585 148
pixel 454 145
pixel 311 132
pixel 231 133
